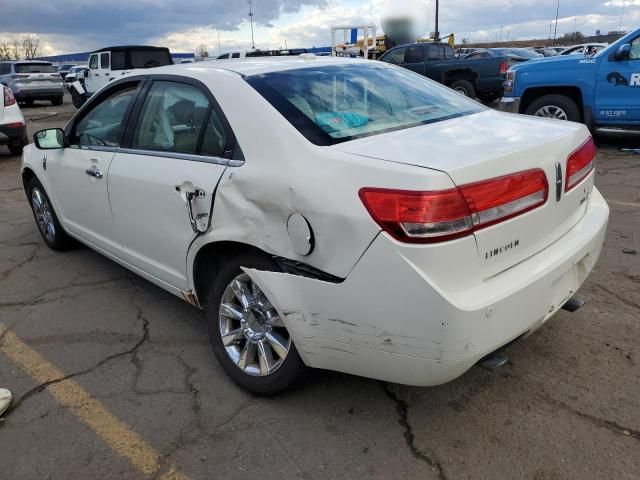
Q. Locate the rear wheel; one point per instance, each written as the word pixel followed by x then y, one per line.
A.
pixel 46 219
pixel 29 103
pixel 16 149
pixel 56 102
pixel 248 337
pixel 559 107
pixel 465 87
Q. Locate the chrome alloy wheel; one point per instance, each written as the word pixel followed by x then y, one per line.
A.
pixel 551 111
pixel 44 214
pixel 253 334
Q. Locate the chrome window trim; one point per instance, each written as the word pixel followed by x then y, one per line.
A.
pixel 183 156
pixel 97 148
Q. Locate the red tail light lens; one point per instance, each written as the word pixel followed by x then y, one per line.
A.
pixel 426 217
pixel 9 99
pixel 504 66
pixel 580 163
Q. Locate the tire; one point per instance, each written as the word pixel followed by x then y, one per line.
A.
pixel 46 219
pixel 77 99
pixel 559 107
pixel 253 374
pixel 464 87
pixel 56 102
pixel 16 149
pixel 29 103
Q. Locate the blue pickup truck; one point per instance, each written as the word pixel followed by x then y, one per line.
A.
pixel 601 90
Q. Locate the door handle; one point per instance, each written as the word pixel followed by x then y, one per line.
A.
pixel 94 173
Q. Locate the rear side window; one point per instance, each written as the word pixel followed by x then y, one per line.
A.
pixel 333 104
pixel 448 53
pixel 35 68
pixel 414 54
pixel 150 58
pixel 104 60
pixel 103 125
pixel 172 117
pixel 433 52
pixel 395 56
pixel 118 61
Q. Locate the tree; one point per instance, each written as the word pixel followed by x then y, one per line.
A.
pixel 30 46
pixel 16 50
pixel 203 52
pixel 5 50
pixel 572 37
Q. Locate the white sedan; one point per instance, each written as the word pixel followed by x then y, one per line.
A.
pixel 332 213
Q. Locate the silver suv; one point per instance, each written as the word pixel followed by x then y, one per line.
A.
pixel 32 80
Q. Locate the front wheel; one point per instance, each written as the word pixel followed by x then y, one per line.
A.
pixel 56 102
pixel 559 107
pixel 248 336
pixel 52 232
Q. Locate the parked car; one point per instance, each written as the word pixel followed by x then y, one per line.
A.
pixel 13 130
pixel 585 49
pixel 558 48
pixel 64 69
pixel 600 90
pixel 234 185
pixel 75 73
pixel 512 55
pixel 463 52
pixel 482 79
pixel 546 52
pixel 32 80
pixel 109 63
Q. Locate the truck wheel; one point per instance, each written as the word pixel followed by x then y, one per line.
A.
pixel 559 107
pixel 56 102
pixel 464 87
pixel 77 99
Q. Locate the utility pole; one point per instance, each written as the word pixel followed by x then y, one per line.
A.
pixel 575 27
pixel 219 47
pixel 501 33
pixel 437 31
pixel 621 17
pixel 253 43
pixel 555 31
pixel 550 28
pixel 286 47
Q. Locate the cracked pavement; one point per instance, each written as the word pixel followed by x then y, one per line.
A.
pixel 566 406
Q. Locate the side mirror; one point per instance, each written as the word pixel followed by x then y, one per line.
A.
pixel 623 52
pixel 86 72
pixel 49 139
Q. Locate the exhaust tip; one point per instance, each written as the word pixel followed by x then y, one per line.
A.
pixel 493 361
pixel 573 304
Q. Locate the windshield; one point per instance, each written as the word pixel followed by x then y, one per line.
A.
pixel 35 68
pixel 333 104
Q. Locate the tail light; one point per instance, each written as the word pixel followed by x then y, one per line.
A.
pixel 427 217
pixel 15 125
pixel 504 66
pixel 9 99
pixel 580 163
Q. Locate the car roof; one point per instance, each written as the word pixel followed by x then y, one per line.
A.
pixel 40 62
pixel 257 65
pixel 128 47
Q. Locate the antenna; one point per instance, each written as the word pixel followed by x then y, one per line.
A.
pixel 253 44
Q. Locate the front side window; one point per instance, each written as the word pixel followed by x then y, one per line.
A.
pixel 235 55
pixel 414 54
pixel 104 60
pixel 395 56
pixel 171 119
pixel 634 54
pixel 333 104
pixel 93 62
pixel 103 125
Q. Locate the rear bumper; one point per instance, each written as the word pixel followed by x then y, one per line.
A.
pixel 13 136
pixel 39 93
pixel 510 104
pixel 391 320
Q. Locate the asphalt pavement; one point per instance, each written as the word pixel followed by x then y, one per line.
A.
pixel 114 378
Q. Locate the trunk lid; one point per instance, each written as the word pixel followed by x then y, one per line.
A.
pixel 37 75
pixel 489 145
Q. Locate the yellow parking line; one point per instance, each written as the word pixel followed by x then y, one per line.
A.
pixel 115 433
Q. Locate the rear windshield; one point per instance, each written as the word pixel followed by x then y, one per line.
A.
pixel 150 58
pixel 35 68
pixel 337 103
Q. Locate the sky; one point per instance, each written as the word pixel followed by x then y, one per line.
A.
pixel 68 26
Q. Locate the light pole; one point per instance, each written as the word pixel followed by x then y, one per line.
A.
pixel 253 44
pixel 621 17
pixel 437 31
pixel 555 31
